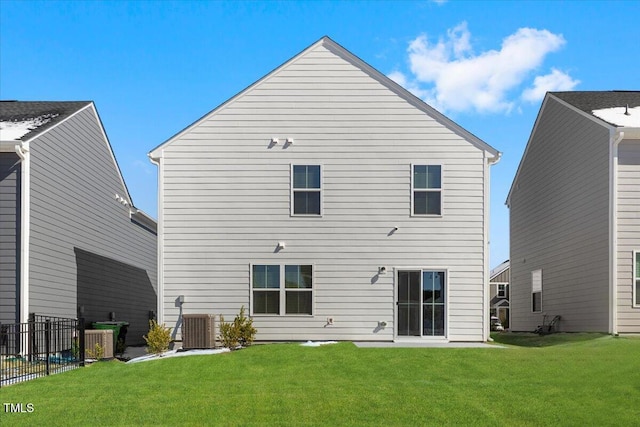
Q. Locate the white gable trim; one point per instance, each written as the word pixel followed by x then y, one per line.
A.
pixel 369 70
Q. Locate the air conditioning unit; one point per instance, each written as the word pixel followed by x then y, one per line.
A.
pixel 198 331
pixel 104 337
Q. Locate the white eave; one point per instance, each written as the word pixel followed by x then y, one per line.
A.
pixel 328 43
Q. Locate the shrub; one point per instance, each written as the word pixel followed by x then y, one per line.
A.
pixel 97 352
pixel 158 338
pixel 238 333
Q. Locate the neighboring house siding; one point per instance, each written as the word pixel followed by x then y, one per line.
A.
pixel 84 248
pixel 628 232
pixel 501 278
pixel 559 210
pixel 227 204
pixel 9 236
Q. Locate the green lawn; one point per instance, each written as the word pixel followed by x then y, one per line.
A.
pixel 563 379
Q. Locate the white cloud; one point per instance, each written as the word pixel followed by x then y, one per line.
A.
pixel 555 81
pixel 451 77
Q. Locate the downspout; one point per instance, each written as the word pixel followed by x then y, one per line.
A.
pixel 489 161
pixel 22 150
pixel 615 138
pixel 160 239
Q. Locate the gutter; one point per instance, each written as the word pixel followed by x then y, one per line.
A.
pixel 160 238
pixel 490 161
pixel 615 138
pixel 23 151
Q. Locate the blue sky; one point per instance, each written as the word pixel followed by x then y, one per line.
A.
pixel 152 68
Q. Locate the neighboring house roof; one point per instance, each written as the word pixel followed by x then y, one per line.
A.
pixel 499 270
pixel 593 102
pixel 372 72
pixel 23 120
pixel 614 109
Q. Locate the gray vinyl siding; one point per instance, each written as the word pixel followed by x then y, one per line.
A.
pixel 559 209
pixel 84 249
pixel 227 204
pixel 628 232
pixel 9 236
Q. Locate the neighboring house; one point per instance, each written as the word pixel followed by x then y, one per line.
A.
pixel 575 215
pixel 332 204
pixel 499 293
pixel 72 241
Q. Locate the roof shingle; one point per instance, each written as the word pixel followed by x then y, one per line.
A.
pixel 57 111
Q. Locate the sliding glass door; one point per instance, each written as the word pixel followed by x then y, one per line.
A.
pixel 421 303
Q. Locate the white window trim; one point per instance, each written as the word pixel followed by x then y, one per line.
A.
pixel 320 190
pixel 498 289
pixel 282 290
pixel 635 277
pixel 536 287
pixel 432 190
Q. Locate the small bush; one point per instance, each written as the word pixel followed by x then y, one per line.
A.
pixel 158 338
pixel 238 333
pixel 96 353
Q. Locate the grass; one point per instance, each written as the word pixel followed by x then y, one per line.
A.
pixel 562 379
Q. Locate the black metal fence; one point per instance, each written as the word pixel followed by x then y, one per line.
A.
pixel 43 346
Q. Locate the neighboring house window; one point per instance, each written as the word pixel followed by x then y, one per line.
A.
pixel 306 189
pixel 636 279
pixel 282 290
pixel 502 290
pixel 536 291
pixel 426 189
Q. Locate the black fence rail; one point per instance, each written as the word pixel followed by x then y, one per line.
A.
pixel 43 346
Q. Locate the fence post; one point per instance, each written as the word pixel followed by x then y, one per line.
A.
pixel 47 343
pixel 81 343
pixel 31 344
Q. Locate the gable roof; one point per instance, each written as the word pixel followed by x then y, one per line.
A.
pixel 337 49
pixel 34 117
pixel 499 269
pixel 588 101
pixel 37 117
pixel 585 103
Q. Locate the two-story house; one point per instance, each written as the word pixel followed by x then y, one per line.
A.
pixel 72 243
pixel 332 204
pixel 575 215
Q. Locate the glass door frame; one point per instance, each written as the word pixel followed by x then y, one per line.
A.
pixel 396 272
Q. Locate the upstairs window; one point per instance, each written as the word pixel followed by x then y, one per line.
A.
pixel 426 188
pixel 306 190
pixel 502 290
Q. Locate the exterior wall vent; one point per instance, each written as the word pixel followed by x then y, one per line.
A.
pixel 198 331
pixel 104 337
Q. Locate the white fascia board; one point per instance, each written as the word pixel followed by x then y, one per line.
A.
pixel 409 97
pixel 110 149
pixel 156 153
pixel 629 132
pixel 9 146
pixel 369 70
